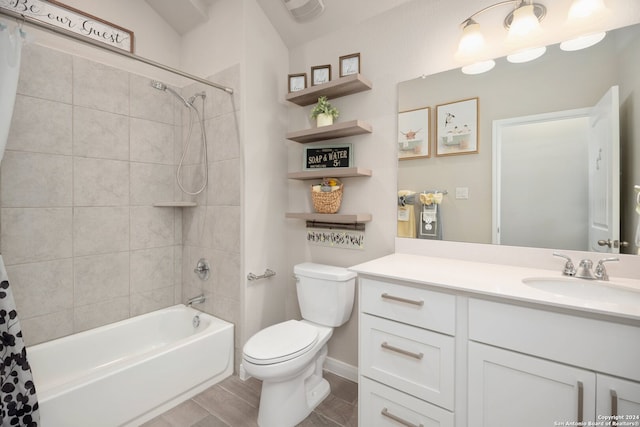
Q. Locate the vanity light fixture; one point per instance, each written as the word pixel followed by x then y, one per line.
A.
pixel 522 23
pixel 583 14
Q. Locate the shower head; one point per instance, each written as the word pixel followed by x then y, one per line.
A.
pixel 161 86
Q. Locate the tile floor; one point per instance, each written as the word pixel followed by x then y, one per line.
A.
pixel 234 403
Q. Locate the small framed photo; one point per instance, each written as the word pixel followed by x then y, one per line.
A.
pixel 414 130
pixel 457 128
pixel 349 64
pixel 320 74
pixel 297 82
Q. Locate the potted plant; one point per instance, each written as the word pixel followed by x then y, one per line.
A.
pixel 324 112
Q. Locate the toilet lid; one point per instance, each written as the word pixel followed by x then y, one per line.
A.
pixel 280 342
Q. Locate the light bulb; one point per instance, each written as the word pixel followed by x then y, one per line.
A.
pixel 582 9
pixel 472 41
pixel 524 24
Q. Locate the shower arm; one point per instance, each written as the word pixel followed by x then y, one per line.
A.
pixel 53 29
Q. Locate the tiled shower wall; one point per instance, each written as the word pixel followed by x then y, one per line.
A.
pixel 91 148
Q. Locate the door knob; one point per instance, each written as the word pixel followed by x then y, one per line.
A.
pixel 615 243
pixel 608 243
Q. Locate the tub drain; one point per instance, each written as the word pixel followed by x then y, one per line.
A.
pixel 196 321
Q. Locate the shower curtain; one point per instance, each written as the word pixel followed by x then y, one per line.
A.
pixel 18 401
pixel 10 52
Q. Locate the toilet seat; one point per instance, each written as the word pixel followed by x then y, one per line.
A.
pixel 281 342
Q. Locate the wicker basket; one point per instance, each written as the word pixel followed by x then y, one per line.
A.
pixel 327 201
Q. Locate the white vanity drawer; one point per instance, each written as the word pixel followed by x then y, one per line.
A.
pixel 598 345
pixel 411 359
pixel 384 406
pixel 415 306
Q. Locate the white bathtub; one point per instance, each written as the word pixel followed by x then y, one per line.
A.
pixel 129 372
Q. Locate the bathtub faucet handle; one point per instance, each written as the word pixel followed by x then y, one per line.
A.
pixel 202 269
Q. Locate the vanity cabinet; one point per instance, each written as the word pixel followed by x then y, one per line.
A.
pixel 436 355
pixel 407 353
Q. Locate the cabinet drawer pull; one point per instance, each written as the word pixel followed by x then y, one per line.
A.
pixel 580 401
pixel 614 403
pixel 386 346
pixel 397 419
pixel 405 300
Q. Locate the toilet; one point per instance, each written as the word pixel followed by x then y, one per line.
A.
pixel 288 357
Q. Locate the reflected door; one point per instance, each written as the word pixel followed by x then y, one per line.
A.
pixel 604 175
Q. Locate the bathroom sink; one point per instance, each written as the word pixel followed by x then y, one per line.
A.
pixel 596 290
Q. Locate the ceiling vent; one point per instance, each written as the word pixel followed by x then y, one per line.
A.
pixel 304 10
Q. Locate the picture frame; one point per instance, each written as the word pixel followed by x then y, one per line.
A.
pixel 414 133
pixel 297 82
pixel 327 156
pixel 349 64
pixel 320 74
pixel 457 127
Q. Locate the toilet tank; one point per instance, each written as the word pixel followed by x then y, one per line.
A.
pixel 325 293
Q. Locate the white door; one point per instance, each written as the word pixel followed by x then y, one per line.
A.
pixel 604 174
pixel 618 397
pixel 511 389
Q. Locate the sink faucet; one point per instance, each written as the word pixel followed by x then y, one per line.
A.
pixel 585 268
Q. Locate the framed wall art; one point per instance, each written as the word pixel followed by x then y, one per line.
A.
pixel 297 82
pixel 457 128
pixel 413 134
pixel 328 156
pixel 320 74
pixel 349 64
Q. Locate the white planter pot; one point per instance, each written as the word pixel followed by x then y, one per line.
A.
pixel 324 120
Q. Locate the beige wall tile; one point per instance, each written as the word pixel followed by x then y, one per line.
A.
pixel 35 234
pixel 99 230
pixel 147 301
pixel 151 227
pixel 99 86
pixel 100 182
pixel 42 287
pixel 100 278
pixel 100 134
pixel 152 269
pixel 35 180
pixel 39 67
pixel 99 314
pixel 226 228
pixel 47 327
pixel 223 140
pixel 151 183
pixel 225 178
pixel 39 125
pixel 152 142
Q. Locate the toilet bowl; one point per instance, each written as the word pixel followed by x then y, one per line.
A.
pixel 288 357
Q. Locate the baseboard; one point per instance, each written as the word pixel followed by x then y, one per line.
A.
pixel 341 369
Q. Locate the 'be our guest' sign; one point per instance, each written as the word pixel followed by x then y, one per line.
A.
pixel 335 156
pixel 74 20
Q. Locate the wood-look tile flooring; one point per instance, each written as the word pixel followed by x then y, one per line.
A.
pixel 234 403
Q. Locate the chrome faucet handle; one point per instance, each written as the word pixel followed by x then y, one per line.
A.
pixel 601 272
pixel 569 269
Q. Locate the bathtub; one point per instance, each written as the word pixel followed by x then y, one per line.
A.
pixel 126 373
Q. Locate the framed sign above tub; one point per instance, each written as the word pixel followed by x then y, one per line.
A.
pixel 68 18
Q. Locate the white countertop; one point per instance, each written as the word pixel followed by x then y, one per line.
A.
pixel 496 280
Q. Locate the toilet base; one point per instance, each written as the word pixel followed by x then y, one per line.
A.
pixel 286 403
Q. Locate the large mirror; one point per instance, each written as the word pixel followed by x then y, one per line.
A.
pixel 516 103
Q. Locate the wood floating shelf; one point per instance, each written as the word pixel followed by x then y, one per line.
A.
pixel 175 204
pixel 330 218
pixel 334 89
pixel 329 172
pixel 337 130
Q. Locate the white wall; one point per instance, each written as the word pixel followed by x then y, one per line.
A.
pixel 416 38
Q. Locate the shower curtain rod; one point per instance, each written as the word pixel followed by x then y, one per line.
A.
pixel 51 28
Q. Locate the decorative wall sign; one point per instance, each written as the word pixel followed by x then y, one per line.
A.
pixel 414 129
pixel 457 128
pixel 74 20
pixel 345 239
pixel 324 157
pixel 320 74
